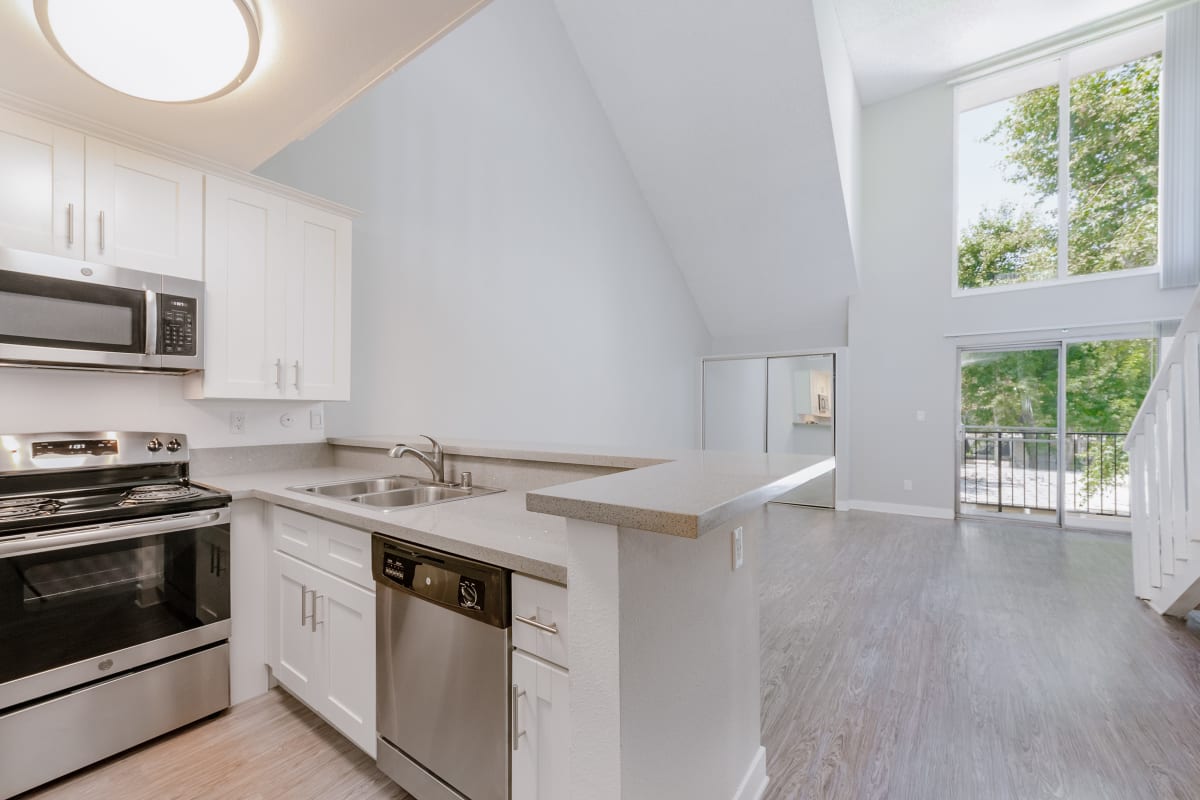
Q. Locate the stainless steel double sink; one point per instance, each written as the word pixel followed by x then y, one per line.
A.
pixel 393 491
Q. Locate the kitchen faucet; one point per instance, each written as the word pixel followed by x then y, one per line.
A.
pixel 434 464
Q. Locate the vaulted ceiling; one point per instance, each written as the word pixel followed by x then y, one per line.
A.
pixel 316 56
pixel 721 109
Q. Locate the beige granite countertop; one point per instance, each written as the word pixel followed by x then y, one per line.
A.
pixel 681 493
pixel 495 528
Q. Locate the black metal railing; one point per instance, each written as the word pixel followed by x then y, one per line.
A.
pixel 1017 468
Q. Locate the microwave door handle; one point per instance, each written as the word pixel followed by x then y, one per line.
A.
pixel 113 532
pixel 151 323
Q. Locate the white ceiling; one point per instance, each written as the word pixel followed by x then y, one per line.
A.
pixel 900 45
pixel 316 56
pixel 721 110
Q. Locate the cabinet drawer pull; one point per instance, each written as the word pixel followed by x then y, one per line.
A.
pixel 70 224
pixel 541 626
pixel 517 733
pixel 279 374
pixel 303 605
pixel 297 384
pixel 101 231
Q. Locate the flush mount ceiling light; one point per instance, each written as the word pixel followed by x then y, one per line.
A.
pixel 169 51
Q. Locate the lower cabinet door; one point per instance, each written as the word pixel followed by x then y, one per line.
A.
pixel 540 760
pixel 293 651
pixel 346 625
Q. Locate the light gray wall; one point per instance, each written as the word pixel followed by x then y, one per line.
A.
pixel 509 279
pixel 904 312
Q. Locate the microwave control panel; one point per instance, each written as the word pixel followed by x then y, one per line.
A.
pixel 177 325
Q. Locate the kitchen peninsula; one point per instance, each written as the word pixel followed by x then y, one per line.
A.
pixel 662 594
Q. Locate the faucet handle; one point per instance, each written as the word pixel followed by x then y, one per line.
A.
pixel 437 447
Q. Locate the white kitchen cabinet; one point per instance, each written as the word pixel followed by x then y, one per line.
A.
pixel 536 606
pixel 541 686
pixel 543 724
pixel 321 642
pixel 278 290
pixel 143 212
pixel 42 186
pixel 245 251
pixel 293 649
pixel 318 301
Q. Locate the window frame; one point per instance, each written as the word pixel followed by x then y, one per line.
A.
pixel 1101 52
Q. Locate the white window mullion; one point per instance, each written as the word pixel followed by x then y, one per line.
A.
pixel 1064 161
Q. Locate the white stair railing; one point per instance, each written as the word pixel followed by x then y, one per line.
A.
pixel 1164 467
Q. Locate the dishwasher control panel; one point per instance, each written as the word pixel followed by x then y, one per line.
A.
pixel 469 587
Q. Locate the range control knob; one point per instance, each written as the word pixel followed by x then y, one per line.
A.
pixel 173 446
pixel 154 445
pixel 468 594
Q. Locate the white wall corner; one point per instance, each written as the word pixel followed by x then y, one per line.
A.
pixel 845 112
pixel 754 784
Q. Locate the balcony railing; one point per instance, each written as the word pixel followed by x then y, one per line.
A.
pixel 1011 469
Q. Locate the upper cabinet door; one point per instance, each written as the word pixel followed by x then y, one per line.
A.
pixel 143 212
pixel 41 186
pixel 318 326
pixel 245 247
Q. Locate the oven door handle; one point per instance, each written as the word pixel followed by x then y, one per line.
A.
pixel 46 541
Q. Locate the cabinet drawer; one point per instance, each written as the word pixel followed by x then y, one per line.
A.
pixel 544 603
pixel 338 549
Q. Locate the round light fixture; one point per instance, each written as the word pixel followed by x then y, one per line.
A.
pixel 169 51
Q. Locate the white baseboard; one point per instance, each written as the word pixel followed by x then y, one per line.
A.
pixel 933 512
pixel 754 784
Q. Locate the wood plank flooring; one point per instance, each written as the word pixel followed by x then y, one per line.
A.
pixel 903 658
pixel 914 658
pixel 268 748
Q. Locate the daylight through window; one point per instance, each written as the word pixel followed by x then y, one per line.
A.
pixel 1019 181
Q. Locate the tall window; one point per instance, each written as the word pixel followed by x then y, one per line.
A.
pixel 1034 205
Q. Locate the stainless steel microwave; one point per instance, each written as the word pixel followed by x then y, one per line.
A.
pixel 67 313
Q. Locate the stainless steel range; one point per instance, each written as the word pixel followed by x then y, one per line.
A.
pixel 114 598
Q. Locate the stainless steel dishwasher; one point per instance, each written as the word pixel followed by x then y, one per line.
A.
pixel 443 670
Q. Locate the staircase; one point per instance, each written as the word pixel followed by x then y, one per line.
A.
pixel 1164 465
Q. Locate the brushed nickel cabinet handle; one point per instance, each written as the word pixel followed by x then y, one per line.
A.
pixel 303 605
pixel 315 621
pixel 101 231
pixel 541 626
pixel 297 383
pixel 279 374
pixel 70 224
pixel 517 733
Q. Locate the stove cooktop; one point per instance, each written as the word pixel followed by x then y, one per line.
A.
pixel 81 506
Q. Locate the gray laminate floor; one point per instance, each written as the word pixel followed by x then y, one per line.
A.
pixel 913 658
pixel 903 658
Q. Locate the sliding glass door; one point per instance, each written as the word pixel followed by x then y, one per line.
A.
pixel 1008 458
pixel 1042 426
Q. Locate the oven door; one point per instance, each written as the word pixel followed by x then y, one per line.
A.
pixel 84 604
pixel 60 311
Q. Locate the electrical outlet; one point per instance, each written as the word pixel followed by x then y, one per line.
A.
pixel 237 421
pixel 737 547
pixel 316 420
pixel 287 419
pixel 907 485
